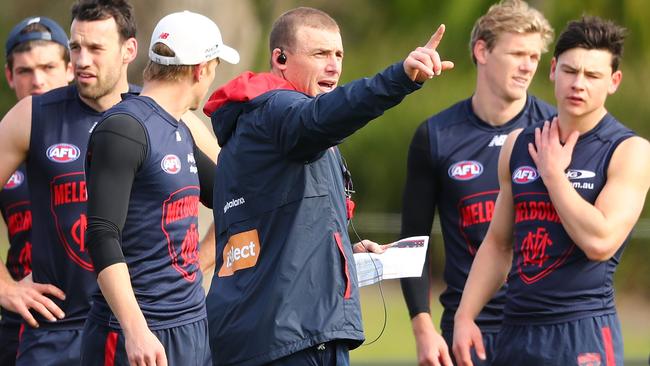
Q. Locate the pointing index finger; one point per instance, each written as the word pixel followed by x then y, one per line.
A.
pixel 435 39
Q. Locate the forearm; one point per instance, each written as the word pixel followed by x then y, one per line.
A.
pixel 115 284
pixel 488 273
pixel 5 278
pixel 597 235
pixel 418 208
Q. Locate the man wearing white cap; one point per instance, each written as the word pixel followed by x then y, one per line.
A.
pixel 145 180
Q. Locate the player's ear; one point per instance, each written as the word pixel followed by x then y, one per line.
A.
pixel 10 77
pixel 616 78
pixel 551 74
pixel 129 50
pixel 480 51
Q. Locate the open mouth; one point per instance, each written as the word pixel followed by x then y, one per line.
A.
pixel 328 85
pixel 84 76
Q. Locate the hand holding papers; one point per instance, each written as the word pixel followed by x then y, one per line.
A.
pixel 403 258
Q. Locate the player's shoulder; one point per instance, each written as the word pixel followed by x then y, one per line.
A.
pixel 57 95
pixel 455 114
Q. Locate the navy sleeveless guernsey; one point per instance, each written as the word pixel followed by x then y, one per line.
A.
pixel 465 153
pixel 17 213
pixel 160 237
pixel 552 280
pixel 61 125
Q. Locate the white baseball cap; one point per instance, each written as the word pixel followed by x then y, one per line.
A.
pixel 193 37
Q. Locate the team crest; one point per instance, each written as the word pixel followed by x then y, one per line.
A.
pixel 465 170
pixel 180 226
pixel 68 206
pixel 539 248
pixel 524 175
pixel 63 153
pixel 15 180
pixel 171 164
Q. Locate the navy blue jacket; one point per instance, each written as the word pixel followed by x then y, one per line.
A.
pixel 285 278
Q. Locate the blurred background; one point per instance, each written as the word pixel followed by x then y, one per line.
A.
pixel 375 34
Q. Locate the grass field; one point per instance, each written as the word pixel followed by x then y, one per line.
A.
pixel 397 346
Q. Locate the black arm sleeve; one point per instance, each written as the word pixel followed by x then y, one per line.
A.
pixel 116 150
pixel 418 208
pixel 207 170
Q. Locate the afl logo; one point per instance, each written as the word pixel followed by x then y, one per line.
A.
pixel 15 180
pixel 465 170
pixel 63 153
pixel 171 164
pixel 524 174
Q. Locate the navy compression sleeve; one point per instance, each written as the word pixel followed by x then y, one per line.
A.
pixel 418 208
pixel 116 151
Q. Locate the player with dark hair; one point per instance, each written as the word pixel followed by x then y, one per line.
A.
pixel 570 196
pixel 285 288
pixel 38 60
pixel 145 180
pixel 52 131
pixel 452 167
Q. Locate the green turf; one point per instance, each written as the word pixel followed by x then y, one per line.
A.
pixel 397 345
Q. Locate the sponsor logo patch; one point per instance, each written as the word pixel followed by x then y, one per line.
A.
pixel 524 175
pixel 171 164
pixel 498 140
pixel 465 170
pixel 241 252
pixel 579 174
pixel 15 180
pixel 63 153
pixel 233 203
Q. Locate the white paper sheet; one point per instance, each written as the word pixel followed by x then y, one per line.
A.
pixel 404 258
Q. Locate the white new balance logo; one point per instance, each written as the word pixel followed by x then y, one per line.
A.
pixel 498 140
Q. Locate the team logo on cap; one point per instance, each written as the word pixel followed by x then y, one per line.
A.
pixel 524 175
pixel 465 170
pixel 163 35
pixel 63 153
pixel 15 180
pixel 171 164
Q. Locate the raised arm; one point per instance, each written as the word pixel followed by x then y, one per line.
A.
pixel 304 127
pixel 491 264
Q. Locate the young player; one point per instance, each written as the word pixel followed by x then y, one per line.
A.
pixel 570 195
pixel 452 166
